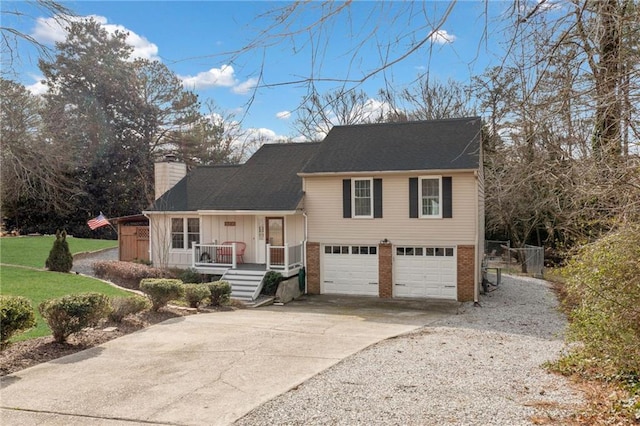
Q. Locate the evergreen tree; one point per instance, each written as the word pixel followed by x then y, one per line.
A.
pixel 60 259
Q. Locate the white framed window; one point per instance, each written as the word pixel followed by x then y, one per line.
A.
pixel 430 196
pixel 366 250
pixel 362 200
pixel 185 232
pixel 425 251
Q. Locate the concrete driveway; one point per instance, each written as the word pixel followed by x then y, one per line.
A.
pixel 206 369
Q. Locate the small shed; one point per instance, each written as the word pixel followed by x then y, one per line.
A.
pixel 133 237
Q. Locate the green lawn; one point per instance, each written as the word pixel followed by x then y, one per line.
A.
pixel 41 285
pixel 33 251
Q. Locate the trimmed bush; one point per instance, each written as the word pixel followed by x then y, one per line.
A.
pixel 126 274
pixel 60 258
pixel 220 292
pixel 195 293
pixel 271 281
pixel 190 275
pixel 16 315
pixel 127 305
pixel 161 291
pixel 603 283
pixel 69 314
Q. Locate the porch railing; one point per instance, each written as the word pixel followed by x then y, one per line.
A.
pixel 281 258
pixel 214 255
pixel 285 257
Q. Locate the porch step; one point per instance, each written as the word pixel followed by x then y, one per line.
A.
pixel 245 285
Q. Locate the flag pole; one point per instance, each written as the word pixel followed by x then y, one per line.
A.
pixel 112 227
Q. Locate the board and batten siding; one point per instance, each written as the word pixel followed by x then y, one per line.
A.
pixel 323 203
pixel 220 229
pixel 215 228
pixel 160 235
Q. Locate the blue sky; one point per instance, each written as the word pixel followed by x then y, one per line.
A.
pixel 195 40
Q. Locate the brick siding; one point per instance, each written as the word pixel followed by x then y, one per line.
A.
pixel 313 268
pixel 466 273
pixel 385 270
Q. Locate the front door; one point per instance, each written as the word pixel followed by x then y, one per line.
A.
pixel 275 238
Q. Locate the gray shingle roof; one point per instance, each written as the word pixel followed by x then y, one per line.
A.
pixel 267 181
pixel 190 192
pixel 418 145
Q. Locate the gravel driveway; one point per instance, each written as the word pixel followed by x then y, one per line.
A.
pixel 82 263
pixel 482 367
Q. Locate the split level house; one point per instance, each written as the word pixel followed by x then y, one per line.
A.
pixel 391 210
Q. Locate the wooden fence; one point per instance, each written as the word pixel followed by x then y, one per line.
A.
pixel 134 243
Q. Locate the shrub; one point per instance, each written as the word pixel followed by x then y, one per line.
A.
pixel 161 291
pixel 271 281
pixel 190 275
pixel 126 274
pixel 220 292
pixel 195 293
pixel 603 282
pixel 16 315
pixel 60 258
pixel 69 314
pixel 127 305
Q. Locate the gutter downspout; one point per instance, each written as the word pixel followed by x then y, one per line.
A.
pixel 150 239
pixel 476 290
pixel 304 245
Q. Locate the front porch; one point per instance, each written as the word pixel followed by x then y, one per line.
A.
pixel 217 259
pixel 246 279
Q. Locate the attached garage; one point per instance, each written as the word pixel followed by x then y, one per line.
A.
pixel 350 269
pixel 425 272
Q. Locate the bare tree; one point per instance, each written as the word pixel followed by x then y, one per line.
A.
pixel 432 100
pixel 319 113
pixel 12 37
pixel 35 173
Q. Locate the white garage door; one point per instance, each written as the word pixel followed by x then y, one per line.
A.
pixel 425 272
pixel 349 269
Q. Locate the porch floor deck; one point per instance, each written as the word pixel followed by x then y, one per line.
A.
pixel 220 270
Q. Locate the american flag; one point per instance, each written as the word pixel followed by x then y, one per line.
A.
pixel 97 222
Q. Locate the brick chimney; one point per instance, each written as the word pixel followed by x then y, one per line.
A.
pixel 168 172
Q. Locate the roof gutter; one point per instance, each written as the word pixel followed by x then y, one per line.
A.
pixel 386 172
pixel 247 212
pixel 221 212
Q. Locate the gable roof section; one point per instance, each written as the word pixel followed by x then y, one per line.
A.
pixel 191 191
pixel 448 144
pixel 268 181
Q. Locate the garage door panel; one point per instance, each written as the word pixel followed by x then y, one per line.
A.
pixel 419 272
pixel 346 271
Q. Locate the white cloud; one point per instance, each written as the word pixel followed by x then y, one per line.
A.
pixel 51 30
pixel 373 109
pixel 442 37
pixel 245 87
pixel 215 77
pixel 283 115
pixel 37 88
pixel 263 134
pixel 300 138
